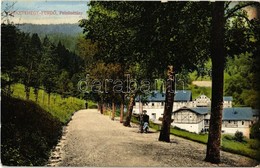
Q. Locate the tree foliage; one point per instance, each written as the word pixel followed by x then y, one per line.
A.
pixel 38 64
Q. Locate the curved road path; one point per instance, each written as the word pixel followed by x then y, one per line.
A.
pixel 95 140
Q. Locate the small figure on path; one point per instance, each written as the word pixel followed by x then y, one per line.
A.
pixel 144 122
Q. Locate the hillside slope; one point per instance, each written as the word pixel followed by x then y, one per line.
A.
pixel 28 133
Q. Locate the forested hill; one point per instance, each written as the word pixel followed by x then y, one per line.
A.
pixel 66 29
pixel 67 34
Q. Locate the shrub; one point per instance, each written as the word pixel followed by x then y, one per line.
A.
pixel 239 136
pixel 255 130
pixel 254 144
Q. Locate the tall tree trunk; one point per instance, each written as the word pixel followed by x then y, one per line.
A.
pixel 49 98
pixel 129 111
pixel 113 110
pixel 101 108
pixel 122 108
pixel 27 92
pixel 218 56
pixel 167 115
pixel 104 107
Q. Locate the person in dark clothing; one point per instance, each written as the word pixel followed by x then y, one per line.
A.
pixel 145 117
pixel 144 123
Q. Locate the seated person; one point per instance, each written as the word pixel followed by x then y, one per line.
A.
pixel 145 117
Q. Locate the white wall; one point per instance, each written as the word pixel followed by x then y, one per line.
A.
pixel 240 127
pixel 246 131
pixel 227 104
pixel 158 112
pixel 190 127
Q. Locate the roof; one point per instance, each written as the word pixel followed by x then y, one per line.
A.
pixel 201 110
pixel 198 110
pixel 238 113
pixel 180 96
pixel 228 98
pixel 233 113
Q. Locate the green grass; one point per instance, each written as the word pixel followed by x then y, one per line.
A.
pixel 30 129
pixel 197 91
pixel 249 147
pixel 28 133
pixel 61 108
pixel 201 138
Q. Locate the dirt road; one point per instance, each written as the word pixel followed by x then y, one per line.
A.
pixel 95 140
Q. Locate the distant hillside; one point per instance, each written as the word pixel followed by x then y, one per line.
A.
pixel 66 29
pixel 66 33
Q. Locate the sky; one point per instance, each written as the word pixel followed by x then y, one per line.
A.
pixel 47 12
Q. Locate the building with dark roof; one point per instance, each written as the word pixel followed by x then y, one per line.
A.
pixel 154 103
pixel 197 119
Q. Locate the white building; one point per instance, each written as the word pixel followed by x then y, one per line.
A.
pixel 204 101
pixel 197 119
pixel 154 103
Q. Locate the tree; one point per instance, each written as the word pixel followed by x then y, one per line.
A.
pixel 239 82
pixel 37 55
pixel 10 38
pixel 64 84
pixel 164 31
pixel 107 26
pixel 25 67
pixel 165 132
pixel 150 31
pixel 218 55
pixel 48 68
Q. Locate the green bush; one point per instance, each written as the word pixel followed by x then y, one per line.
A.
pixel 255 130
pixel 238 136
pixel 254 144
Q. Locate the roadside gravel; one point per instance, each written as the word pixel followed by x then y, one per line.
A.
pixel 95 140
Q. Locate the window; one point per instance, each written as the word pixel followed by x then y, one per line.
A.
pixel 242 122
pixel 162 103
pixel 152 104
pixel 229 121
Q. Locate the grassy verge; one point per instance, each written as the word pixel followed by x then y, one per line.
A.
pixel 61 108
pixel 249 147
pixel 28 133
pixel 30 129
